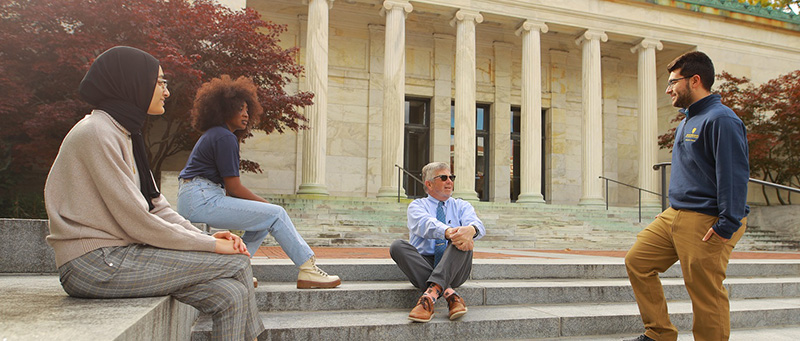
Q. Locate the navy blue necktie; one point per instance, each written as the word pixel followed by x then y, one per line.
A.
pixel 441 244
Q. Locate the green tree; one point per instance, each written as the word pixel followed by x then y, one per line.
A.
pixel 48 46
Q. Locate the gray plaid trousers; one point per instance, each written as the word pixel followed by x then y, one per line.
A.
pixel 219 285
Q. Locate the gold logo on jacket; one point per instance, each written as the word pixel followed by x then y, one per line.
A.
pixel 691 137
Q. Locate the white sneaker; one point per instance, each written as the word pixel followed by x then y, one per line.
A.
pixel 311 277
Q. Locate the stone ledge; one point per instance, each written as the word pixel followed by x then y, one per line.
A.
pixel 23 247
pixel 37 308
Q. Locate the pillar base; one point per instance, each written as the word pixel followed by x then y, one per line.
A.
pixel 391 192
pixel 466 195
pixel 592 202
pixel 316 189
pixel 530 198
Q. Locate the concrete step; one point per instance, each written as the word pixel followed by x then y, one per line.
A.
pixel 779 333
pixel 273 297
pixel 501 322
pixel 282 270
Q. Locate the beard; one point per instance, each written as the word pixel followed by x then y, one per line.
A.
pixel 683 100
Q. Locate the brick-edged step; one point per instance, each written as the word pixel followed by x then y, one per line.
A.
pixel 282 270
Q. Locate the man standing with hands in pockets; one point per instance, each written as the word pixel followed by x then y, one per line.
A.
pixel 707 213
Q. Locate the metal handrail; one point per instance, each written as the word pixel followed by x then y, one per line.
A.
pixel 663 167
pixel 400 171
pixel 631 186
pixel 778 186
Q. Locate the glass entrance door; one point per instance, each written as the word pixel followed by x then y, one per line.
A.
pixel 416 144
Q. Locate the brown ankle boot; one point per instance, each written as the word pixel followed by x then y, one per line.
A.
pixel 457 306
pixel 423 311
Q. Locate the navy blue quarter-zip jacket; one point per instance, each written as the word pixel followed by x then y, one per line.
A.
pixel 710 166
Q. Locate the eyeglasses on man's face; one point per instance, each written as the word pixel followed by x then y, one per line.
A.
pixel 444 177
pixel 671 82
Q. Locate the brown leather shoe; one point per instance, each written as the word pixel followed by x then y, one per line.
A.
pixel 423 311
pixel 457 306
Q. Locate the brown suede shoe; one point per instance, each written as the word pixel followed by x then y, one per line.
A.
pixel 457 306
pixel 423 311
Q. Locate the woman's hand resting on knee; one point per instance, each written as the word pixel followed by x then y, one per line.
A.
pixel 229 244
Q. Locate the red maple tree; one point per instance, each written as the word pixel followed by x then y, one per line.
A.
pixel 48 46
pixel 771 113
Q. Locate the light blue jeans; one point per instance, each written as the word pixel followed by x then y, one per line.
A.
pixel 203 201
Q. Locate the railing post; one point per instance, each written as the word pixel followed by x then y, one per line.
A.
pixel 663 188
pixel 399 181
pixel 640 205
pixel 606 194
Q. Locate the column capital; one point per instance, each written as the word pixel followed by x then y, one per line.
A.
pixel 389 5
pixel 330 2
pixel 591 34
pixel 647 43
pixel 466 14
pixel 530 25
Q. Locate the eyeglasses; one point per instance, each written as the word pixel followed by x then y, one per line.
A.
pixel 162 83
pixel 671 82
pixel 444 177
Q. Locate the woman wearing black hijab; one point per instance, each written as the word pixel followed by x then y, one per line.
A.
pixel 113 233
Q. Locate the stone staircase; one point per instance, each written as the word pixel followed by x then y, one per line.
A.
pixel 534 295
pixel 344 221
pixel 507 299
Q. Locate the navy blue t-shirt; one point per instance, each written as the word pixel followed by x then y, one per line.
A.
pixel 214 156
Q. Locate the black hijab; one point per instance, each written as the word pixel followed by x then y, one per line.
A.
pixel 121 82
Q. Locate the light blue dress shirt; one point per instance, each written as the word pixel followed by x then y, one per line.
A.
pixel 424 228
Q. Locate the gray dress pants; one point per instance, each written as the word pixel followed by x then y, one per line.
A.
pixel 219 285
pixel 451 272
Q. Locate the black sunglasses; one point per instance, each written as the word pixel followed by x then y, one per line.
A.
pixel 444 177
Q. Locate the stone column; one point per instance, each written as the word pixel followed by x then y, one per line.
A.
pixel 648 119
pixel 394 84
pixel 441 104
pixel 592 127
pixel 531 115
pixel 500 129
pixel 465 21
pixel 377 35
pixel 315 138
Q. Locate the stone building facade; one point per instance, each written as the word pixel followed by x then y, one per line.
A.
pixel 531 100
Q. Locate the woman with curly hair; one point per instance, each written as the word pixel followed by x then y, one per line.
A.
pixel 210 189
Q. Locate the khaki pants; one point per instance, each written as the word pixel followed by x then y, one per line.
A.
pixel 678 235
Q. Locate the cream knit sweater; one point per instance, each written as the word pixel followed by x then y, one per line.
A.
pixel 93 199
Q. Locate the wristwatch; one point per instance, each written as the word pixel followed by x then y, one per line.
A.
pixel 476 231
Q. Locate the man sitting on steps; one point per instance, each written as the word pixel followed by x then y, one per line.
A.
pixel 438 255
